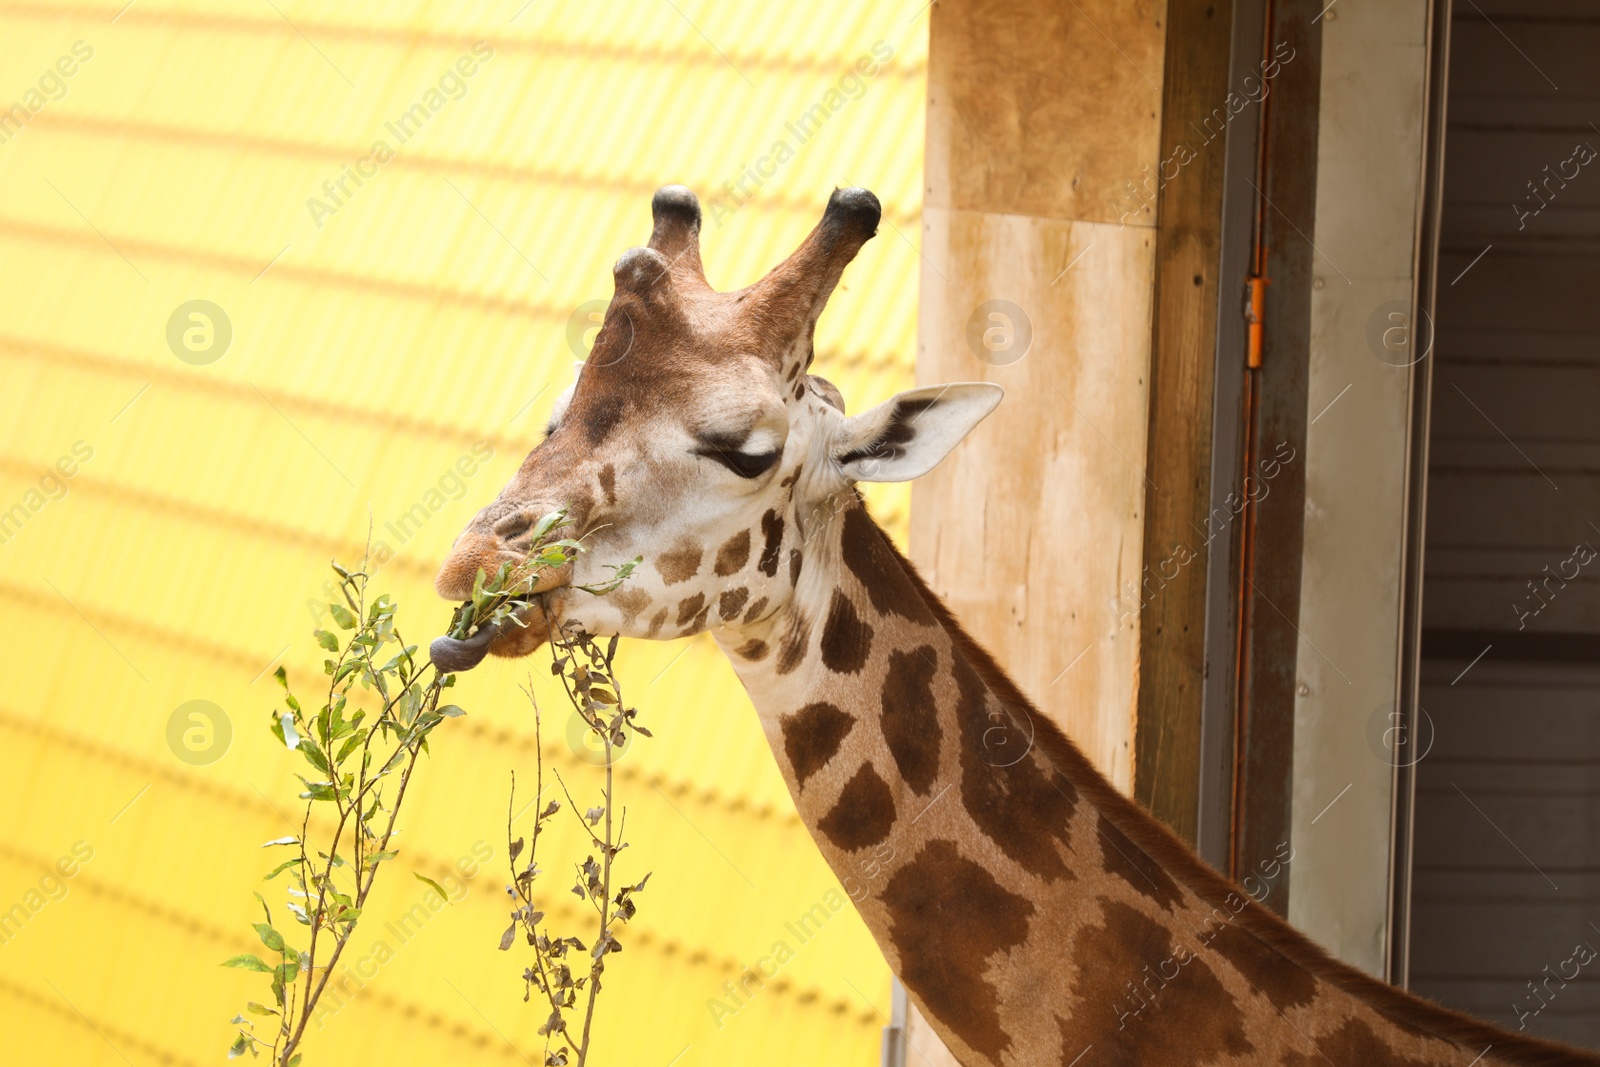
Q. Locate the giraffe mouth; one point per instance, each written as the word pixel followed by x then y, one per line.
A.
pixel 518 635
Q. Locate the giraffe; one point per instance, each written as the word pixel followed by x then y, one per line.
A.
pixel 1034 913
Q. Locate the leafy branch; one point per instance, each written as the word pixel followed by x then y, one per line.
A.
pixel 362 747
pixel 585 668
pixel 361 761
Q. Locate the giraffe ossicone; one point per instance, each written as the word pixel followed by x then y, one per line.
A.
pixel 1035 914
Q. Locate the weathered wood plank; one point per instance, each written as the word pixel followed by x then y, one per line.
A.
pixel 1182 374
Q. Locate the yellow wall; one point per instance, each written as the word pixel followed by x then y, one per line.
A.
pixel 369 353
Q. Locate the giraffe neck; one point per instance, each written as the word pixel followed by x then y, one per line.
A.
pixel 1031 910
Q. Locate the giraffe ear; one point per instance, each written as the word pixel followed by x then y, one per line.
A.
pixel 907 436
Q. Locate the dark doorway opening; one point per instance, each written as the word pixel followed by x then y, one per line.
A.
pixel 1505 893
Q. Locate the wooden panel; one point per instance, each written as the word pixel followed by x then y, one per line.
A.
pixel 1182 373
pixel 1031 528
pixel 1044 109
pixel 1038 115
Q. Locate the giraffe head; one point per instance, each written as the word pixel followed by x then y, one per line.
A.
pixel 695 438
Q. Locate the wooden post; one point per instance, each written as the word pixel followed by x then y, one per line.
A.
pixel 1039 266
pixel 1180 532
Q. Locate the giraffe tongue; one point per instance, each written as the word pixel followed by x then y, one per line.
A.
pixel 452 654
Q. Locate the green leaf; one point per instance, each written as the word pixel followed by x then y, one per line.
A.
pixel 314 756
pixel 451 711
pixel 280 868
pixel 410 703
pixel 342 616
pixel 286 731
pixel 240 1046
pixel 290 840
pixel 249 961
pixel 282 676
pixel 437 888
pixel 379 857
pixel 351 745
pixel 259 1009
pixel 269 937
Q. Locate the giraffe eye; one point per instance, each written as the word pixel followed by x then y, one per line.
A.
pixel 747 466
pixel 744 464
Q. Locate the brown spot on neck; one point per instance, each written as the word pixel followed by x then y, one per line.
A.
pixel 812 736
pixel 657 622
pixel 733 555
pixel 1024 805
pixel 732 602
pixel 792 646
pixel 631 601
pixel 1128 861
pixel 846 639
pixel 688 609
pixel 755 610
pixel 1147 1001
pixel 1287 985
pixel 772 528
pixel 947 917
pixel 1354 1042
pixel 911 717
pixel 864 814
pixel 679 564
pixel 877 567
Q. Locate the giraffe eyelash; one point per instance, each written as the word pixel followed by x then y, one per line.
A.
pixel 744 464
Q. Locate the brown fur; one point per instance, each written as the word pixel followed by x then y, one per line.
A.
pixel 1160 846
pixel 812 736
pixel 846 637
pixel 910 717
pixel 734 554
pixel 946 947
pixel 864 814
pixel 680 564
